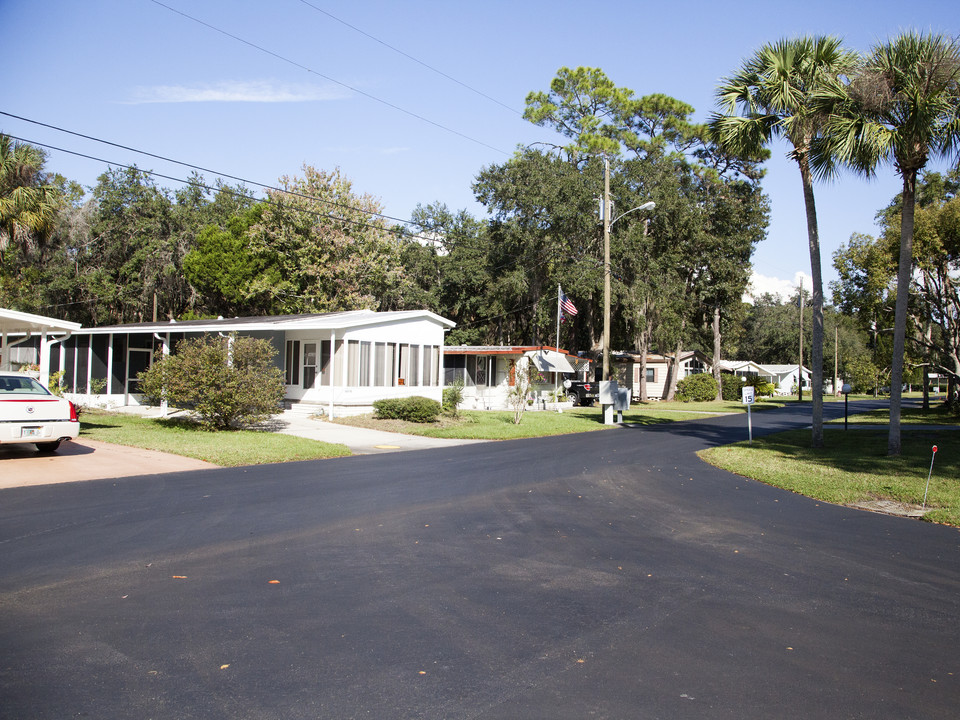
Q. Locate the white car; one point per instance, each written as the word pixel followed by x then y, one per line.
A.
pixel 29 413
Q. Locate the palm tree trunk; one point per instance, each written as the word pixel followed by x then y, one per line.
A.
pixel 816 351
pixel 900 316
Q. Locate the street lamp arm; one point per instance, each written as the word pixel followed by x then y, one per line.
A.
pixel 646 206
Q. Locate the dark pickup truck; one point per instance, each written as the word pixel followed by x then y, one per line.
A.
pixel 582 393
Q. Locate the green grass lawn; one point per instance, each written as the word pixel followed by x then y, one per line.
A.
pixel 936 415
pixel 499 425
pixel 228 449
pixel 854 467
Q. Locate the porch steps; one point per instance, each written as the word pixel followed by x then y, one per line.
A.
pixel 306 409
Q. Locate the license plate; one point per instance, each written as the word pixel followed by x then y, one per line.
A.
pixel 30 432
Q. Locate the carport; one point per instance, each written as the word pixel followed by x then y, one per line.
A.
pixel 24 327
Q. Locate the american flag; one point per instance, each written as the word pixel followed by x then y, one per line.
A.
pixel 566 305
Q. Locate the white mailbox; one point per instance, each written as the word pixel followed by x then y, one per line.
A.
pixel 608 392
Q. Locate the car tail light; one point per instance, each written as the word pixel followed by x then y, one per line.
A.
pixel 73 412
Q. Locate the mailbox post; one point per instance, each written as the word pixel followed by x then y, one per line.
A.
pixel 608 399
pixel 846 403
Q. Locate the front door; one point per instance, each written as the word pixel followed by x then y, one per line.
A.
pixel 138 360
pixel 309 365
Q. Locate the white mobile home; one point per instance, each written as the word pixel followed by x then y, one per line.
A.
pixel 489 372
pixel 338 363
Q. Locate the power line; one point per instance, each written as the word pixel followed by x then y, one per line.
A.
pixel 541 255
pixel 417 236
pixel 267 201
pixel 224 188
pixel 411 57
pixel 189 165
pixel 330 79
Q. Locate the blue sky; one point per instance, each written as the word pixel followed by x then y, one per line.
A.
pixel 411 127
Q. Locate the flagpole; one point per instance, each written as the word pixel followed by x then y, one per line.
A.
pixel 558 316
pixel 556 376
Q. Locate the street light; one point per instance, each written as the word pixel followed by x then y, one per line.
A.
pixel 649 205
pixel 607 224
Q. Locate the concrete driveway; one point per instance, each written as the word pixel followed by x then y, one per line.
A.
pixel 21 465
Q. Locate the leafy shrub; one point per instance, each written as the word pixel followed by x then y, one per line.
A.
pixel 697 388
pixel 56 383
pixel 730 386
pixel 227 384
pixel 452 397
pixel 416 409
pixel 519 396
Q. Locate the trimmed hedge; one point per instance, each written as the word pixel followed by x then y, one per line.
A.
pixel 730 386
pixel 697 388
pixel 416 409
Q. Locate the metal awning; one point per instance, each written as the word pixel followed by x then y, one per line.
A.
pixel 22 326
pixel 550 361
pixel 13 322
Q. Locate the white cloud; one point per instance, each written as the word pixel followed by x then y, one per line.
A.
pixel 760 284
pixel 260 91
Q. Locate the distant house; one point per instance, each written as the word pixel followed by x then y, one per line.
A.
pixel 338 363
pixel 783 377
pixel 745 369
pixel 626 368
pixel 488 372
pixel 787 377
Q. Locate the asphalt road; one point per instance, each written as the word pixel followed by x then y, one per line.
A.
pixel 604 575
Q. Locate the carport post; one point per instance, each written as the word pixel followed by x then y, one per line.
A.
pixel 165 351
pixel 331 366
pixel 44 359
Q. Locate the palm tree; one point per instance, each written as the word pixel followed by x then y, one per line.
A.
pixel 903 108
pixel 774 92
pixel 28 209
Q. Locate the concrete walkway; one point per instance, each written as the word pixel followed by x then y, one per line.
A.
pixel 361 441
